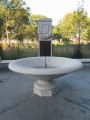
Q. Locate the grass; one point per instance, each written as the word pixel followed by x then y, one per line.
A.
pixel 13 53
pixel 27 50
pixel 31 50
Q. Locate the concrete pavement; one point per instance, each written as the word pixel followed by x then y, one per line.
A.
pixel 17 101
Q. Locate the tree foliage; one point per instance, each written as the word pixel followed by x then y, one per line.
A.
pixel 34 26
pixel 16 22
pixel 15 17
pixel 88 30
pixel 34 18
pixel 73 24
pixel 19 24
pixel 1 27
pixel 56 33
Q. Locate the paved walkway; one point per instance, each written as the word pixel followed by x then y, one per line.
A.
pixel 17 101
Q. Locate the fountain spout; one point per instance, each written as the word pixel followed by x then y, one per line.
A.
pixel 45 63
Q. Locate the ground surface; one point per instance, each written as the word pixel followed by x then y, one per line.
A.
pixel 17 101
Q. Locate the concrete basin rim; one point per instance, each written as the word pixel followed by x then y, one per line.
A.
pixel 44 71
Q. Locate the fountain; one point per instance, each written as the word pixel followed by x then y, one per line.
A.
pixel 45 68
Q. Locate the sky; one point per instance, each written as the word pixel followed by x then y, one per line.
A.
pixel 55 9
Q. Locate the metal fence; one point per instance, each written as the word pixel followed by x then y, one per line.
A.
pixel 72 51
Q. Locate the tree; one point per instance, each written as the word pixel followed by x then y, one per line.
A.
pixel 4 12
pixel 29 32
pixel 74 25
pixel 15 17
pixel 88 30
pixel 20 19
pixel 34 18
pixel 66 26
pixel 34 25
pixel 1 48
pixel 56 33
pixel 80 22
pixel 1 27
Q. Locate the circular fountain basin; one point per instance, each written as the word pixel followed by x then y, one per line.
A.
pixel 35 67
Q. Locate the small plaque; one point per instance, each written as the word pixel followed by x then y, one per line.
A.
pixel 45 28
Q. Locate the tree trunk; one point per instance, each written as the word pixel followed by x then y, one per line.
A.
pixel 7 34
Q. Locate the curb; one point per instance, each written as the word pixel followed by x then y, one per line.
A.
pixel 9 61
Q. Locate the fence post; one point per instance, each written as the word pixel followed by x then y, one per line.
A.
pixel 74 50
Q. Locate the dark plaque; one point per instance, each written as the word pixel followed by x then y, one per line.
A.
pixel 45 48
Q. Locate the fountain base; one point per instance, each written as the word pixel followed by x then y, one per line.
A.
pixel 45 88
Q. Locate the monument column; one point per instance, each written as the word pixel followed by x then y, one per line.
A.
pixel 45 36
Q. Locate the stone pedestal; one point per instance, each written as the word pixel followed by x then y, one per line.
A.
pixel 45 88
pixel 45 36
